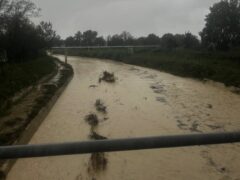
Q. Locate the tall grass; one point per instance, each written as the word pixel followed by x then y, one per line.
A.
pixel 198 66
pixel 16 76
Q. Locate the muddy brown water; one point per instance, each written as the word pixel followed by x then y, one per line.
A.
pixel 142 102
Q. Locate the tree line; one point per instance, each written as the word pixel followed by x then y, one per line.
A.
pixel 221 32
pixel 20 38
pixel 222 29
pixel 167 41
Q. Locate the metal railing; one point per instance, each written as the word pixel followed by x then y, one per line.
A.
pixel 26 151
pixel 104 47
pixel 130 49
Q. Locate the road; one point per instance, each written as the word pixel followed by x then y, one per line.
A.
pixel 142 102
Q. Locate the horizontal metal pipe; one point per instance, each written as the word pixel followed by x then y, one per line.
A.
pixel 25 151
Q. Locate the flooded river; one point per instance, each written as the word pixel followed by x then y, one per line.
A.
pixel 142 102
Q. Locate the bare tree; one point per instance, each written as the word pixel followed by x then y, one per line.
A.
pixel 23 8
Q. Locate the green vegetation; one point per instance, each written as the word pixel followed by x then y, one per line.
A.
pixel 222 29
pixel 23 59
pixel 225 69
pixel 15 77
pixel 20 38
pixel 49 91
pixel 12 128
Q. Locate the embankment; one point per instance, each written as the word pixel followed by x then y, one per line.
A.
pixel 38 84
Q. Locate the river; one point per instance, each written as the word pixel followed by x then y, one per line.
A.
pixel 142 102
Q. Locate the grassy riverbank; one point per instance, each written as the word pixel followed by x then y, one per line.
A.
pixel 17 76
pixel 16 115
pixel 48 77
pixel 221 67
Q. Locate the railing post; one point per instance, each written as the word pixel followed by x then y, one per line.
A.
pixel 66 54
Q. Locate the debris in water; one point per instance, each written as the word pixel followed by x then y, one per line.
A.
pixel 181 125
pixel 100 106
pixel 235 90
pixel 152 76
pixel 98 162
pixel 107 77
pixel 209 106
pixel 194 127
pixel 161 99
pixel 157 88
pixel 93 86
pixel 223 169
pixel 106 118
pixel 92 119
pixel 213 127
pixel 134 69
pixel 96 136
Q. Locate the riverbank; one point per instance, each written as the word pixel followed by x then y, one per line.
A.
pixel 30 106
pixel 17 77
pixel 221 67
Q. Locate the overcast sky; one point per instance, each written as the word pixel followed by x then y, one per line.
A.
pixel 139 17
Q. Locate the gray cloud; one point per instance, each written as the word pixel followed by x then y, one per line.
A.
pixel 140 17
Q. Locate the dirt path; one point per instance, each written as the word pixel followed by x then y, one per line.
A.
pixel 142 102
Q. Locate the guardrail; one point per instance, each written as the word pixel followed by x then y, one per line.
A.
pixel 104 47
pixel 41 150
pixel 129 48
